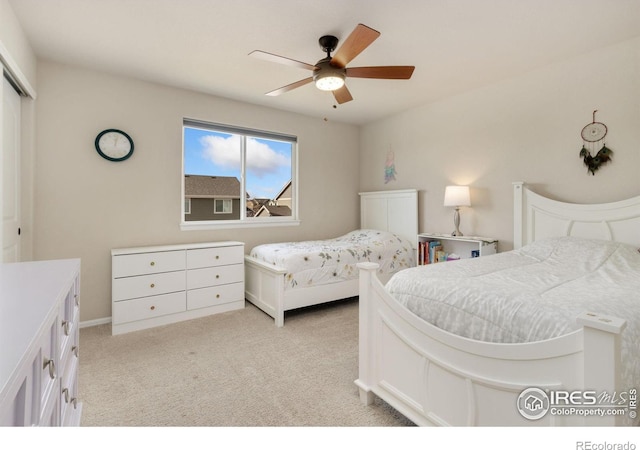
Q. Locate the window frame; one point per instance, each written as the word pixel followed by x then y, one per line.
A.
pixel 244 221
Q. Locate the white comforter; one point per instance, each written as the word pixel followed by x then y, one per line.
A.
pixel 530 294
pixel 310 263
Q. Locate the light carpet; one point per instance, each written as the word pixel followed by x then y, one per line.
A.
pixel 234 369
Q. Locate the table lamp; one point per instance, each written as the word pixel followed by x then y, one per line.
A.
pixel 457 196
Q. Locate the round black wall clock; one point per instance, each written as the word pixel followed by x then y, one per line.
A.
pixel 114 145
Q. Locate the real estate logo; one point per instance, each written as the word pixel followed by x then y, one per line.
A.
pixel 534 403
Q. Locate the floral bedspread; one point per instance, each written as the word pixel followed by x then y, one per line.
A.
pixel 311 263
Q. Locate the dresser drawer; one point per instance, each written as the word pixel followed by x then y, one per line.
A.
pixel 147 285
pixel 217 295
pixel 70 351
pixel 49 370
pixel 148 307
pixel 214 276
pixel 146 263
pixel 69 393
pixel 208 257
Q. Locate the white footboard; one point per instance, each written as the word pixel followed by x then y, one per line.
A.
pixel 436 378
pixel 264 287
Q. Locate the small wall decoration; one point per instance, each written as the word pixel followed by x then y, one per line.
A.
pixel 592 135
pixel 390 167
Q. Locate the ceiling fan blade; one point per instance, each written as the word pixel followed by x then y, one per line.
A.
pixel 359 39
pixel 281 59
pixel 290 87
pixel 384 72
pixel 342 95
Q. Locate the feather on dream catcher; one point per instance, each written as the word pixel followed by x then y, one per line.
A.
pixel 592 135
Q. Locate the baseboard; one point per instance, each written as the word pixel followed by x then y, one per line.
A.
pixel 93 323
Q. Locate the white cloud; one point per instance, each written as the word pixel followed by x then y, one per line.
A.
pixel 225 152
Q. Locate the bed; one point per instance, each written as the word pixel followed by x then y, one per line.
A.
pixel 438 366
pixel 283 276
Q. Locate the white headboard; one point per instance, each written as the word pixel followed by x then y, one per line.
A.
pixel 394 211
pixel 537 217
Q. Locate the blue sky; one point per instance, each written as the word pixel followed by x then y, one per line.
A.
pixel 209 152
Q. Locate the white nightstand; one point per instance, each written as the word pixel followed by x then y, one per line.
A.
pixel 436 247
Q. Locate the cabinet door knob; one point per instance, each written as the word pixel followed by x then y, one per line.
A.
pixel 65 392
pixel 217 257
pixel 217 276
pixel 65 327
pixel 52 367
pixel 74 350
pixel 152 308
pixel 152 285
pixel 153 263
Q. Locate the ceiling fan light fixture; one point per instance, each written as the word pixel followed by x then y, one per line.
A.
pixel 328 77
pixel 330 81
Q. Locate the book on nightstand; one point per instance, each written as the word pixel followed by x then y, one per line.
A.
pixel 434 246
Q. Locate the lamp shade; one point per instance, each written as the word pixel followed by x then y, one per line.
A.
pixel 457 196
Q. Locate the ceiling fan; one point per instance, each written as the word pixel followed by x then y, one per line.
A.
pixel 329 73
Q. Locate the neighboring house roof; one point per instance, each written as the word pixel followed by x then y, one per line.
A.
pixel 286 186
pixel 211 186
pixel 274 210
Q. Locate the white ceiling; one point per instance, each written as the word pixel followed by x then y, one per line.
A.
pixel 203 45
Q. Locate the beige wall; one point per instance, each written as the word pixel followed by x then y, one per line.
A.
pixel 522 129
pixel 86 205
pixel 13 40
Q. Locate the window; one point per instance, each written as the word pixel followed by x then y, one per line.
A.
pixel 223 206
pixel 237 177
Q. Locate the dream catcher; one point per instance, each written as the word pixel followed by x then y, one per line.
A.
pixel 592 135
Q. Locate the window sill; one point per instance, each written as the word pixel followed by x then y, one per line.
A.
pixel 219 224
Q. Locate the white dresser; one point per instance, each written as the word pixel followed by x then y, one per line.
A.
pixel 39 338
pixel 152 286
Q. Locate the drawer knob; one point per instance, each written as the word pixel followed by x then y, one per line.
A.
pixel 217 295
pixel 153 285
pixel 52 367
pixel 74 350
pixel 77 298
pixel 65 392
pixel 217 276
pixel 217 257
pixel 153 263
pixel 152 308
pixel 65 327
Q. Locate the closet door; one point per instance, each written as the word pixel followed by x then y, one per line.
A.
pixel 10 173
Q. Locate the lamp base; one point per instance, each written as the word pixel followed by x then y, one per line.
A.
pixel 456 222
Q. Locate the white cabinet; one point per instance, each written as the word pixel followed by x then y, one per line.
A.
pixel 39 338
pixel 434 247
pixel 154 286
